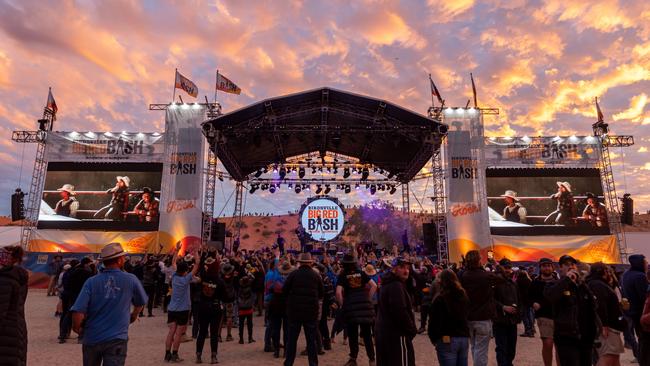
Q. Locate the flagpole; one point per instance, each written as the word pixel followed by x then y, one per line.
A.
pixel 216 86
pixel 431 83
pixel 174 90
pixel 473 90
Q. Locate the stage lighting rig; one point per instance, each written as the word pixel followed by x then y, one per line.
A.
pixel 327 189
pixel 347 189
pixel 373 189
pixel 319 189
pixel 301 172
pixel 392 190
pixel 253 189
pixel 272 188
pixel 283 173
pixel 365 173
pixel 346 172
pixel 298 188
pixel 258 173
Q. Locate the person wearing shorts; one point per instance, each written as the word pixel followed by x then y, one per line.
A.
pixel 543 309
pixel 610 344
pixel 178 311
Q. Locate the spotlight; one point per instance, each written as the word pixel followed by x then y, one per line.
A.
pixel 364 174
pixel 313 170
pixel 347 189
pixel 336 170
pixel 258 173
pixel 272 188
pixel 290 186
pixel 301 173
pixel 373 189
pixel 356 186
pixel 298 189
pixel 220 176
pixel 253 189
pixel 275 168
pixel 266 169
pixel 327 189
pixel 346 172
pixel 319 189
pixel 305 187
pixel 390 175
pixel 283 173
pixel 392 190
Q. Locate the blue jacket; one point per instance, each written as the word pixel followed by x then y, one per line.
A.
pixel 635 287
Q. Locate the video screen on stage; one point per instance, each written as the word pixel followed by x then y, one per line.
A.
pixel 546 201
pixel 101 196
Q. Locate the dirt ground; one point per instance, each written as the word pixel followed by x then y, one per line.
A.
pixel 146 344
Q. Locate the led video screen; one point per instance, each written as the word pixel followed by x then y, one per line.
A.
pixel 546 201
pixel 101 196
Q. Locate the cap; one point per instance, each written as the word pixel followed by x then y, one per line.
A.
pixel 567 259
pixel 545 261
pixel 505 262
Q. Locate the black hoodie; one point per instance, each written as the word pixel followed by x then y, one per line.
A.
pixel 395 317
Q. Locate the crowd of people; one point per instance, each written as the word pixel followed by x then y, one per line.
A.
pixel 588 314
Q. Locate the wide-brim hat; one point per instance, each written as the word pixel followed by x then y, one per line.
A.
pixel 566 185
pixel 349 259
pixel 112 250
pixel 305 258
pixel 511 194
pixel 370 270
pixel 125 179
pixel 285 268
pixel 227 269
pixel 67 188
pixel 388 262
pixel 188 258
pixel 209 260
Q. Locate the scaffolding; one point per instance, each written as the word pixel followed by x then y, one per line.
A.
pixel 38 173
pixel 239 208
pixel 609 187
pixel 406 206
pixel 439 198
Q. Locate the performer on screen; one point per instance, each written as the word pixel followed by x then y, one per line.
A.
pixel 147 208
pixel 119 200
pixel 513 211
pixel 68 205
pixel 595 211
pixel 566 209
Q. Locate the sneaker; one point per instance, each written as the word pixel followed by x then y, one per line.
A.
pixel 175 358
pixel 213 358
pixel 168 356
pixel 198 358
pixel 251 340
pixel 351 362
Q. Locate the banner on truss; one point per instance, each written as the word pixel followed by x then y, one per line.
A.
pixel 182 193
pixel 541 151
pixel 105 147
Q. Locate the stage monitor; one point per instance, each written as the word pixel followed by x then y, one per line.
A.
pixel 101 196
pixel 546 201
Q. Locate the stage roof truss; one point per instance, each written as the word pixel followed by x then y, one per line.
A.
pixel 326 121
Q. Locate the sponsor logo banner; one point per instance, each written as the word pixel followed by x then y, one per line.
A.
pixel 105 147
pixel 323 219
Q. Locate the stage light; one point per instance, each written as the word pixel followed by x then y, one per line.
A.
pixel 319 189
pixel 258 173
pixel 298 189
pixel 172 106
pixel 356 186
pixel 364 174
pixel 390 175
pixel 266 169
pixel 185 106
pixel 472 111
pixel 327 189
pixel 290 185
pixel 108 134
pixel 347 189
pixel 124 133
pixel 253 189
pixel 196 105
pixel 301 172
pixel 283 173
pixel 336 170
pixel 460 111
pixel 329 170
pixel 90 134
pixel 449 110
pixel 306 187
pixel 373 189
pixel 272 188
pixel 346 172
pixel 526 139
pixel 220 177
pixel 392 190
pixel 275 168
pixel 154 134
pixel 313 170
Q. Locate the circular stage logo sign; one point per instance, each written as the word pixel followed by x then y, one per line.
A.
pixel 322 218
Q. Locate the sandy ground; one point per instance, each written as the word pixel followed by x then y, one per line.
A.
pixel 146 344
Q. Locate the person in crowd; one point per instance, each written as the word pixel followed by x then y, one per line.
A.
pixel 148 206
pixel 72 286
pixel 395 326
pixel 280 243
pixel 13 293
pixel 610 344
pixel 119 200
pixel 209 310
pixel 54 270
pixel 356 306
pixel 634 284
pixel 149 272
pixel 595 212
pixel 178 311
pixel 230 297
pixel 574 315
pixel 102 312
pixel 513 211
pixel 524 282
pixel 304 290
pixel 68 204
pixel 329 299
pixel 506 296
pixel 479 286
pixel 448 325
pixel 167 270
pixel 276 303
pixel 543 308
pixel 566 210
pixel 59 289
pixel 258 273
pixel 245 304
pixel 644 357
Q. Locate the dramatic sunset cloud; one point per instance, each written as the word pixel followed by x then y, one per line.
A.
pixel 541 63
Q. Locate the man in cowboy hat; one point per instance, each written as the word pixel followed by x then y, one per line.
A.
pixel 119 200
pixel 595 212
pixel 147 208
pixel 513 211
pixel 68 205
pixel 304 290
pixel 565 211
pixel 103 310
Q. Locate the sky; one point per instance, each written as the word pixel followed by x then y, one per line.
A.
pixel 540 62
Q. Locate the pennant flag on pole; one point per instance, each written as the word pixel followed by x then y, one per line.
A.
pixel 51 103
pixel 434 90
pixel 601 118
pixel 224 84
pixel 473 90
pixel 186 84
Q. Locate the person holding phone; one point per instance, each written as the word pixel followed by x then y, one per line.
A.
pixel 506 296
